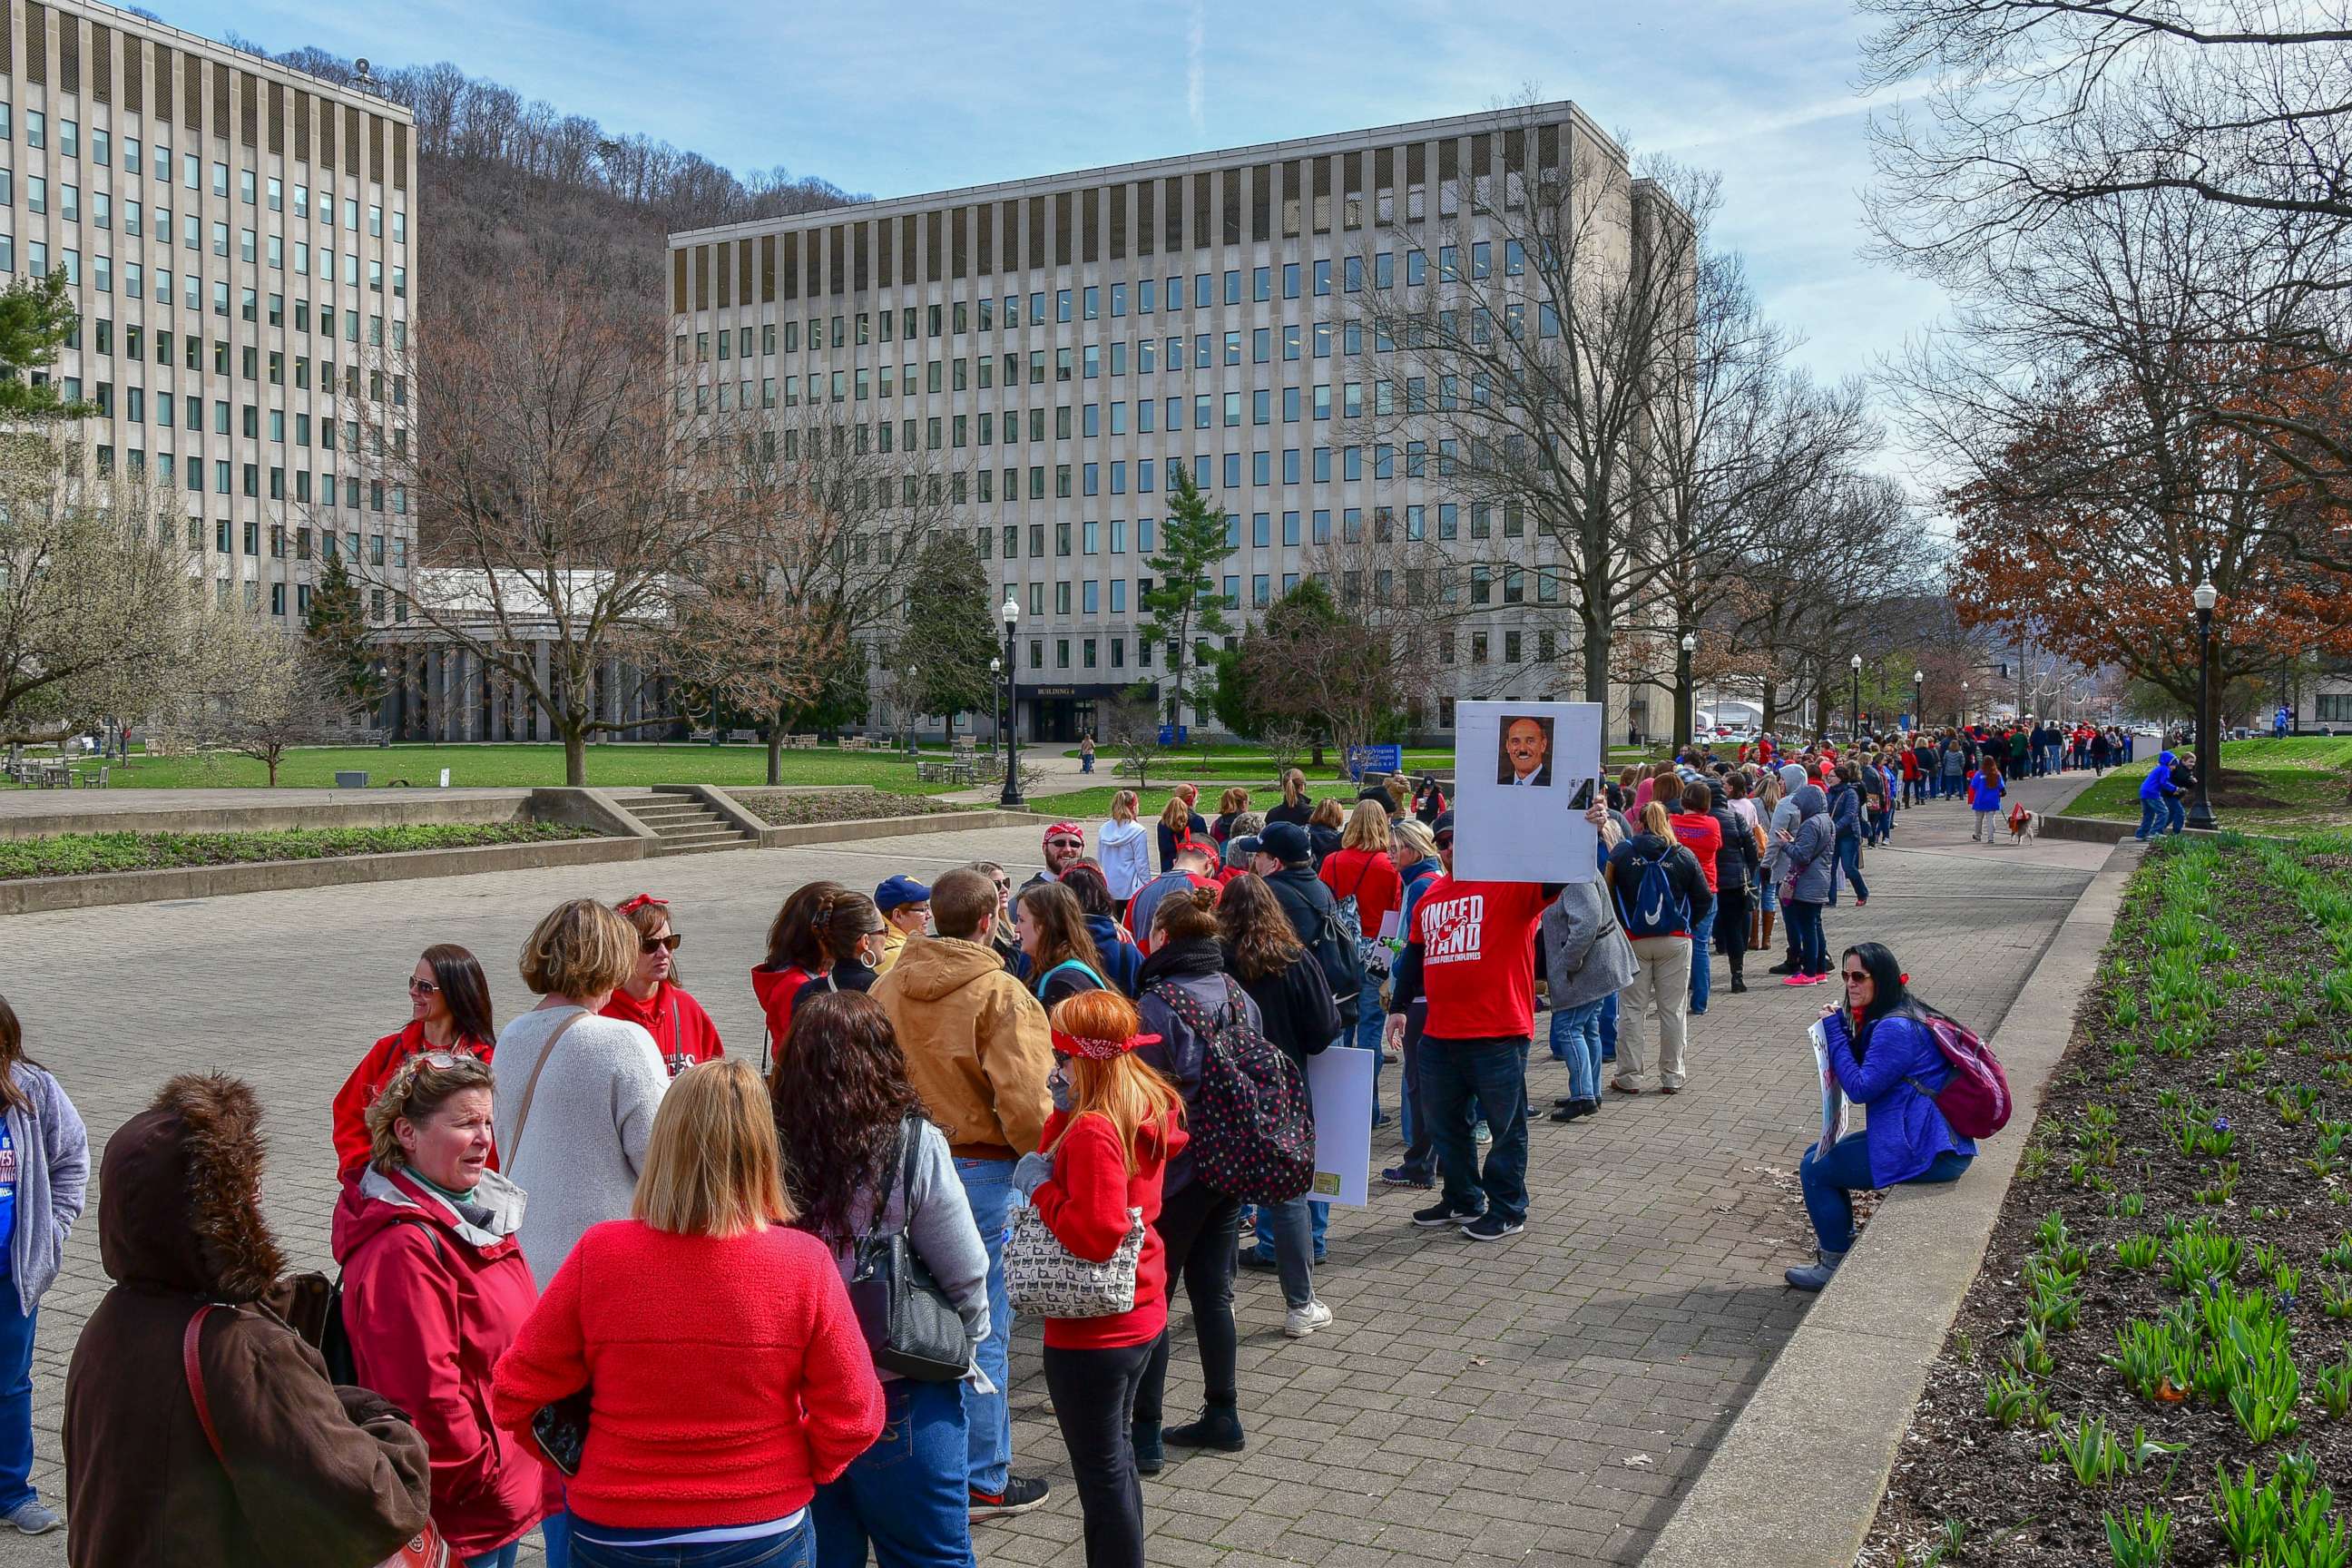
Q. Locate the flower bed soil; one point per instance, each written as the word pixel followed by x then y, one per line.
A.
pixel 781 810
pixel 85 854
pixel 2221 1008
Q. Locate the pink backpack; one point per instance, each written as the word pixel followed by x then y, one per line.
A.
pixel 1975 1100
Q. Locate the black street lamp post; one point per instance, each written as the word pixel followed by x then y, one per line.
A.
pixel 2209 749
pixel 1685 700
pixel 1855 665
pixel 1920 700
pixel 1011 797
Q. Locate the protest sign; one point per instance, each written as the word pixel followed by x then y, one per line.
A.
pixel 1339 1082
pixel 1524 774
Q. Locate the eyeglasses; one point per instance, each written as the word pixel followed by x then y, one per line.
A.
pixel 420 987
pixel 1855 976
pixel 670 941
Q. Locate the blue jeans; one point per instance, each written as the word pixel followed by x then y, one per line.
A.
pixel 988 1184
pixel 1827 1179
pixel 16 1398
pixel 1493 1074
pixel 2176 814
pixel 1370 1020
pixel 1702 960
pixel 1087 763
pixel 1806 938
pixel 1608 1029
pixel 1849 854
pixel 1576 1040
pixel 2151 818
pixel 555 1534
pixel 795 1548
pixel 504 1557
pixel 908 1495
pixel 1290 1236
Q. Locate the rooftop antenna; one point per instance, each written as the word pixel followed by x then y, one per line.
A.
pixel 360 68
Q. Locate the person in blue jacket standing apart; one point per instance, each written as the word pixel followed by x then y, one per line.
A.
pixel 1885 1059
pixel 2154 791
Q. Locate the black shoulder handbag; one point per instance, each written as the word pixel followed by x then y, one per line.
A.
pixel 911 1327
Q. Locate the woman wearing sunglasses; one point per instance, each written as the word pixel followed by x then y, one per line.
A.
pixel 652 998
pixel 1887 1059
pixel 448 1010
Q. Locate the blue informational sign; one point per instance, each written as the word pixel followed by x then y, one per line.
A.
pixel 1362 760
pixel 1175 735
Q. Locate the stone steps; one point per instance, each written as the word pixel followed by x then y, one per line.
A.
pixel 682 824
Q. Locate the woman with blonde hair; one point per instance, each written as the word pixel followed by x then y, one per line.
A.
pixel 1177 824
pixel 1296 803
pixel 1103 1155
pixel 1230 806
pixel 1123 846
pixel 763 1302
pixel 1324 826
pixel 584 1088
pixel 434 1291
pixel 1362 870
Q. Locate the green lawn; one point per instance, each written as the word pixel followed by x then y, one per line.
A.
pixel 2299 782
pixel 79 854
pixel 524 766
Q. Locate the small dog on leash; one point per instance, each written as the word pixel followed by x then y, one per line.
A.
pixel 2022 825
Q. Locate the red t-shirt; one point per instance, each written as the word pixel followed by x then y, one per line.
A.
pixel 1478 957
pixel 1703 836
pixel 682 1031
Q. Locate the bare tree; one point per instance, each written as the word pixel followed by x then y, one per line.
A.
pixel 252 689
pixel 1528 359
pixel 1130 722
pixel 554 516
pixel 97 613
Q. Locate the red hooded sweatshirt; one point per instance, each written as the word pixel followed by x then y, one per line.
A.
pixel 1084 1205
pixel 431 1298
pixel 682 1031
pixel 777 990
pixel 367 1081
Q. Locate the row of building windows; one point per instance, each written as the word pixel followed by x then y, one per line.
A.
pixel 134 272
pixel 1487 585
pixel 1481 645
pixel 229 478
pixel 1110 538
pixel 251 185
pixel 1239 205
pixel 378 604
pixel 953 318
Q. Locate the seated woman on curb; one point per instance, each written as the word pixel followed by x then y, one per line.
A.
pixel 1886 1060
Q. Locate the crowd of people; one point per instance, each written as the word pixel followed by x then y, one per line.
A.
pixel 972 1100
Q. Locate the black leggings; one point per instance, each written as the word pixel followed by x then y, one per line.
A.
pixel 1094 1401
pixel 1199 1228
pixel 1731 925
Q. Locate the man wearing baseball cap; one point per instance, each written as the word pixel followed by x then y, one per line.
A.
pixel 1065 846
pixel 905 906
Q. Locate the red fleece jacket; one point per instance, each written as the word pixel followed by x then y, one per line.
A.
pixel 729 1378
pixel 367 1081
pixel 682 1031
pixel 1084 1205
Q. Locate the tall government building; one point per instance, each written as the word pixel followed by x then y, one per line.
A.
pixel 1056 344
pixel 239 237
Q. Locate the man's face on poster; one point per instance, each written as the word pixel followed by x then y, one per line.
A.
pixel 1524 744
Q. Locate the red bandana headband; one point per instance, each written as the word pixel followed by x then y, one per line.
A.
pixel 640 901
pixel 1099 1051
pixel 1070 828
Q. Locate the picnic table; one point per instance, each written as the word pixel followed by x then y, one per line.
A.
pixel 955 771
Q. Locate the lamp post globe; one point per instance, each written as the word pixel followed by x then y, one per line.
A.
pixel 2209 751
pixel 1010 798
pixel 1919 699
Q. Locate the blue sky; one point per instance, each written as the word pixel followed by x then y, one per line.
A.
pixel 923 95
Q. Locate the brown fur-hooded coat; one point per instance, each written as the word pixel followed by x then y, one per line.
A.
pixel 316 1475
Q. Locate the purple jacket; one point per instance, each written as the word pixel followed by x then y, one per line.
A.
pixel 1905 1130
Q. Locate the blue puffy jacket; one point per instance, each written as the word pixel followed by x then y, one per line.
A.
pixel 1905 1130
pixel 1984 794
pixel 2159 782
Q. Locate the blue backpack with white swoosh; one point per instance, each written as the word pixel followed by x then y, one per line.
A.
pixel 1658 907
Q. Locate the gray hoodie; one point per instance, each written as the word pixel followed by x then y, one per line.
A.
pixel 1809 857
pixel 1587 955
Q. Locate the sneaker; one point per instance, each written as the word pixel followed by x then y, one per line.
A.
pixel 1493 1227
pixel 1300 1321
pixel 1817 980
pixel 32 1519
pixel 1482 1133
pixel 1406 1176
pixel 1798 980
pixel 1438 1216
pixel 1020 1494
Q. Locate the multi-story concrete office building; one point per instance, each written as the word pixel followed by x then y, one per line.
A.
pixel 1050 349
pixel 237 237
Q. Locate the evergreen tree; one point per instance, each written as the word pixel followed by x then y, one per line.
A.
pixel 37 317
pixel 1183 604
pixel 950 630
pixel 338 643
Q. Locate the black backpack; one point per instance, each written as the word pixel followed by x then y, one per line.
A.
pixel 1320 928
pixel 1252 1123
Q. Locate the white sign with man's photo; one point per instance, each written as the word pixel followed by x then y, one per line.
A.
pixel 1524 774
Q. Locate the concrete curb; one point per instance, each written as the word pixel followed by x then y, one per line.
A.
pixel 786 837
pixel 2086 829
pixel 33 895
pixel 1797 1480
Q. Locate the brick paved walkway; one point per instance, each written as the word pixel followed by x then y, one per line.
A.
pixel 1541 1400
